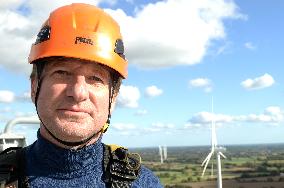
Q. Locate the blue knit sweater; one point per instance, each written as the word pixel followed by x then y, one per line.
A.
pixel 52 166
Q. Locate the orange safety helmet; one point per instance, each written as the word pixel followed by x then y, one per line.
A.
pixel 81 31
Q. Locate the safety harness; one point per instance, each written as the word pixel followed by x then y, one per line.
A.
pixel 120 167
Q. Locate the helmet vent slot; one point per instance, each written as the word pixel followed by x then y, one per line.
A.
pixel 43 35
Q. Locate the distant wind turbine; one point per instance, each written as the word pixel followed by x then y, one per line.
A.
pixel 163 153
pixel 214 150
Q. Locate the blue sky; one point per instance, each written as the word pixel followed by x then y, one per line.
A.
pixel 180 53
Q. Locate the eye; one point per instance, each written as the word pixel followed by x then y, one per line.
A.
pixel 95 79
pixel 62 72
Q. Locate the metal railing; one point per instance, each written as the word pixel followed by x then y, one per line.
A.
pixel 20 120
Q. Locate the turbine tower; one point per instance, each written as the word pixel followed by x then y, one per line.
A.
pixel 163 153
pixel 214 150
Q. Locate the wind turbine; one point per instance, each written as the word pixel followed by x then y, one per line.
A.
pixel 161 154
pixel 165 152
pixel 214 150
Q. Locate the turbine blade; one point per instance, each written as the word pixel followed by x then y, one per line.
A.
pixel 206 158
pixel 222 155
pixel 204 169
pixel 204 161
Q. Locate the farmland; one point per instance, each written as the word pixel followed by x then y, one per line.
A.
pixel 246 166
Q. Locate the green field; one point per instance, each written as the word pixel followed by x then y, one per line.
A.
pixel 246 163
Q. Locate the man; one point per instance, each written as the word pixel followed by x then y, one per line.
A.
pixel 78 64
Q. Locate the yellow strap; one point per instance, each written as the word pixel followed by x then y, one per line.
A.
pixel 113 147
pixel 105 127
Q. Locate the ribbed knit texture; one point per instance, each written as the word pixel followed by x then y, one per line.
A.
pixel 52 166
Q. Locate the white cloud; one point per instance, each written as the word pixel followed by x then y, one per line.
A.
pixel 271 115
pixel 258 83
pixel 208 117
pixel 26 96
pixel 130 1
pixel 6 96
pixel 124 129
pixel 25 114
pixel 153 91
pixel 160 125
pixel 123 126
pixel 4 119
pixel 204 83
pixel 141 112
pixel 169 33
pixel 11 24
pixel 252 118
pixel 151 130
pixel 199 82
pixel 273 110
pixel 134 130
pixel 250 45
pixel 128 97
pixel 9 97
pixel 9 4
pixel 189 125
pixel 6 109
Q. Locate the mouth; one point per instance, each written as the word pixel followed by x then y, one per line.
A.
pixel 73 111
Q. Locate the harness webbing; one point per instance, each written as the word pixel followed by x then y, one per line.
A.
pixel 120 168
pixel 12 165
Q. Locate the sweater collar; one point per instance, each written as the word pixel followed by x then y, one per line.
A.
pixel 60 162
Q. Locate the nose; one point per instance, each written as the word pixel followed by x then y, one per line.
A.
pixel 78 89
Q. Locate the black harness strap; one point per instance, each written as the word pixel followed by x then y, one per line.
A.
pixel 121 168
pixel 12 168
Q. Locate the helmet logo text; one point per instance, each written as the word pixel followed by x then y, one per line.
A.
pixel 80 40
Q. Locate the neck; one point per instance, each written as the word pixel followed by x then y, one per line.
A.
pixel 48 137
pixel 47 160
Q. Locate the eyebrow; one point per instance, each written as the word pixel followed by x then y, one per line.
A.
pixel 97 68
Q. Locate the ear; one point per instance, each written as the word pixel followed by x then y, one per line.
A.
pixel 34 83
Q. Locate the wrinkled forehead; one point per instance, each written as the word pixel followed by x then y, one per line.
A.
pixel 75 64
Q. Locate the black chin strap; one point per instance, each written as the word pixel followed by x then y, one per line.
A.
pixel 40 67
pixel 66 143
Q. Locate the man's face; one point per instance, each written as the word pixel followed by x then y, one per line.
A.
pixel 74 99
